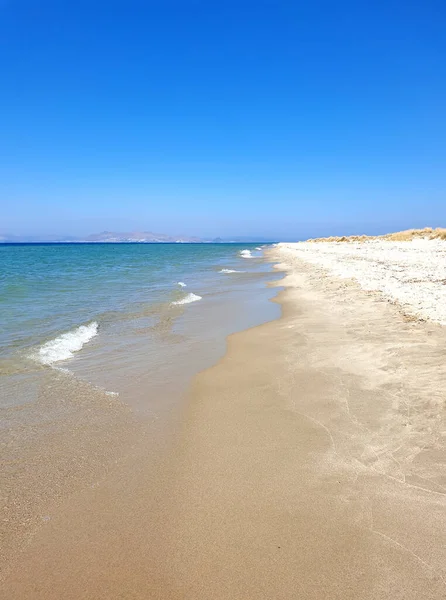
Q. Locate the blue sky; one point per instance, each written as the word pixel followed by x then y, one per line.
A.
pixel 280 119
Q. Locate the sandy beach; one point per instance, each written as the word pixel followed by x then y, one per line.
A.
pixel 195 405
pixel 309 463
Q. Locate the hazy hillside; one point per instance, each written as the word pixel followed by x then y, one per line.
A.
pixel 104 236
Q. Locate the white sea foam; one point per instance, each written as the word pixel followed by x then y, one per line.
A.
pixel 230 271
pixel 181 284
pixel 188 299
pixel 66 344
pixel 245 253
pixel 259 248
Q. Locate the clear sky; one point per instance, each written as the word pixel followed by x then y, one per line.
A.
pixel 280 119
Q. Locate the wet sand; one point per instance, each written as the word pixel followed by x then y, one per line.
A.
pixel 310 463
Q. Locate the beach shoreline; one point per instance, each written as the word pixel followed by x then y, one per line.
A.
pixel 308 462
pixel 316 469
pixel 74 407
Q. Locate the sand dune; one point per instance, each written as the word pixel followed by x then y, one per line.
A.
pixel 428 233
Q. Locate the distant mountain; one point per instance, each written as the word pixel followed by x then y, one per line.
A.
pixel 138 236
pixel 243 240
pixel 143 237
pixel 104 236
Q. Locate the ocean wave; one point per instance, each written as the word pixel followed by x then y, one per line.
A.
pixel 63 346
pixel 259 248
pixel 245 253
pixel 181 284
pixel 230 271
pixel 188 299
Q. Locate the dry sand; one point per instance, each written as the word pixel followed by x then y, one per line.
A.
pixel 410 273
pixel 310 465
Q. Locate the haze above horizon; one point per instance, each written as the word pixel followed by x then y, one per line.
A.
pixel 278 120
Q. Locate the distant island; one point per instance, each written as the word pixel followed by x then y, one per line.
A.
pixel 104 236
pixel 114 237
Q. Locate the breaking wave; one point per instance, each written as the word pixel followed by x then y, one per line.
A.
pixel 245 253
pixel 230 271
pixel 188 299
pixel 64 346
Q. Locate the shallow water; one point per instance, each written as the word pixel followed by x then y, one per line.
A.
pixel 97 346
pixel 137 320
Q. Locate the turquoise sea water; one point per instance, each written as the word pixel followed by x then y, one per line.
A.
pixel 98 346
pixel 118 314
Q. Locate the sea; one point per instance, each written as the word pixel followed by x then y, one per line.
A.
pixel 132 320
pixel 99 344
